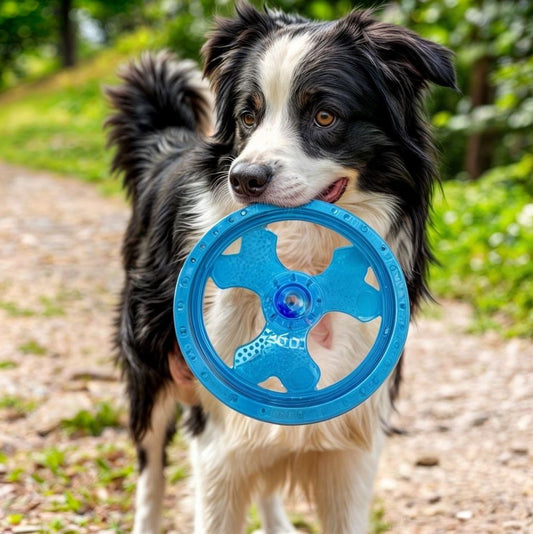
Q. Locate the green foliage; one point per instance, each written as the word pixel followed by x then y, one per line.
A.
pixel 25 26
pixel 30 32
pixel 113 18
pixel 499 36
pixel 484 241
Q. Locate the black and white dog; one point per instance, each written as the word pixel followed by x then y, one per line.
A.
pixel 302 110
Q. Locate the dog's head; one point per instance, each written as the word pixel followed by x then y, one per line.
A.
pixel 318 109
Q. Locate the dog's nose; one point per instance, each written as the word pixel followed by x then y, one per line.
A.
pixel 250 179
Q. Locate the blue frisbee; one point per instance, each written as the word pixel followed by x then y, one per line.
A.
pixel 293 303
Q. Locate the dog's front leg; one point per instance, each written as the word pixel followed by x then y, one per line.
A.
pixel 151 481
pixel 222 487
pixel 342 486
pixel 274 518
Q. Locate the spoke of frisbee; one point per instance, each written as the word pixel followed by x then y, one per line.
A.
pixel 280 353
pixel 254 267
pixel 344 287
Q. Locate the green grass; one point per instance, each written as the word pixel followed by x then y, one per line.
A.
pixel 67 137
pixel 32 347
pixel 93 423
pixel 8 364
pixel 378 525
pixel 56 123
pixel 14 519
pixel 14 310
pixel 17 405
pixel 47 307
pixel 70 487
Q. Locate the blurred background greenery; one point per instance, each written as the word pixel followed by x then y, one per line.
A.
pixel 56 55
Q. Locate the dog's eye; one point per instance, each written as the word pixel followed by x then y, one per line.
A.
pixel 248 119
pixel 324 118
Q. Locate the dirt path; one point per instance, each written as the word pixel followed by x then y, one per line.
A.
pixel 464 463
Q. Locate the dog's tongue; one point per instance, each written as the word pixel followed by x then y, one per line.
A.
pixel 334 191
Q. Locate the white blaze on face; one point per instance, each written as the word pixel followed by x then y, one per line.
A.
pixel 298 177
pixel 278 68
pixel 274 137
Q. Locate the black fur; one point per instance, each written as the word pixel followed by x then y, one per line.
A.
pixel 195 421
pixel 380 72
pixel 142 459
pixel 156 129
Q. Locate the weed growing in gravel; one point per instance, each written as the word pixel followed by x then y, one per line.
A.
pixel 32 347
pixel 51 307
pixel 92 424
pixel 14 519
pixel 14 310
pixel 178 474
pixel 379 525
pixel 17 405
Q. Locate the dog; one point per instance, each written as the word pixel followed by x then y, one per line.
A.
pixel 287 111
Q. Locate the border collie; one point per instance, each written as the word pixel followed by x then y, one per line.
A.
pixel 294 110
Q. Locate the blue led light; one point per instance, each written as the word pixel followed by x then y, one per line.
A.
pixel 292 301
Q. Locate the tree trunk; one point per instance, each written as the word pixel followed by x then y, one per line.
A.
pixel 67 46
pixel 480 146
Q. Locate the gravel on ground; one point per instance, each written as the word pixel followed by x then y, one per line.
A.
pixel 462 461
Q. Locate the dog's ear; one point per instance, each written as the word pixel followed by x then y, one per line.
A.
pixel 225 50
pixel 399 62
pixel 420 57
pixel 227 34
pixel 403 52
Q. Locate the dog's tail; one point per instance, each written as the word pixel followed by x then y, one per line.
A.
pixel 159 101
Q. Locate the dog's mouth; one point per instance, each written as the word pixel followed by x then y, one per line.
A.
pixel 334 192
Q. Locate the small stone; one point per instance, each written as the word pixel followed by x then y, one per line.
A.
pixel 464 515
pixel 90 374
pixel 512 525
pixel 433 499
pixel 519 450
pixel 480 420
pixel 504 457
pixel 427 461
pixel 6 489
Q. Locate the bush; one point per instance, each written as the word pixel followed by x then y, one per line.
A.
pixel 483 238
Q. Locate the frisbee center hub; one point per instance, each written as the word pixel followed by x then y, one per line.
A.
pixel 292 301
